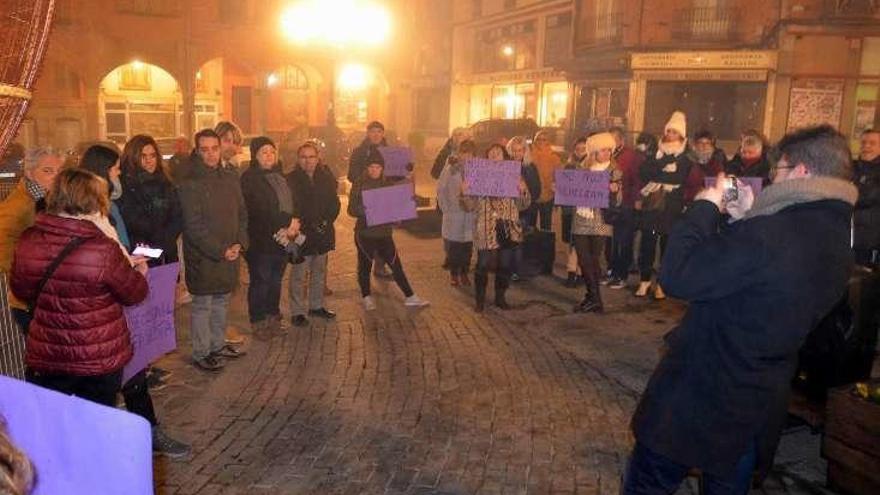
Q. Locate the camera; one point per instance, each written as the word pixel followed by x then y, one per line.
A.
pixel 731 191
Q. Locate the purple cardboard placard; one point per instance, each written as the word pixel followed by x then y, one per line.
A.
pixel 389 204
pixel 77 447
pixel 582 188
pixel 151 323
pixel 492 178
pixel 756 183
pixel 397 160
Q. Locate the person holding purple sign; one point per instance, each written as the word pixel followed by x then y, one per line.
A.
pixel 497 231
pixel 375 243
pixel 591 227
pixel 458 224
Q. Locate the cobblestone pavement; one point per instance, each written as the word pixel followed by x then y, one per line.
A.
pixel 436 400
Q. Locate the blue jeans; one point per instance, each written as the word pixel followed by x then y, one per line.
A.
pixel 208 328
pixel 649 473
pixel 264 291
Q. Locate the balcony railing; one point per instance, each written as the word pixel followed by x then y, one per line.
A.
pixel 854 9
pixel 707 24
pixel 602 30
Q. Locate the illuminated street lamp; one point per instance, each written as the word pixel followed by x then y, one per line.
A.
pixel 337 24
pixel 507 51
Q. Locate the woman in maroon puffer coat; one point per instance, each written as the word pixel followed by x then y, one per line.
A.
pixel 78 340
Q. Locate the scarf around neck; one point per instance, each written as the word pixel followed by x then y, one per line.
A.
pixel 797 191
pixel 104 225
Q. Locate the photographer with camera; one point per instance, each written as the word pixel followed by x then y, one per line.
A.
pixel 717 399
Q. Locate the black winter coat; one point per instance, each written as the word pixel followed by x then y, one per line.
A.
pixel 440 161
pixel 318 207
pixel 214 218
pixel 265 217
pixel 530 176
pixel 759 169
pixel 755 291
pixel 866 220
pixel 362 156
pixel 151 211
pixel 356 207
pixel 651 170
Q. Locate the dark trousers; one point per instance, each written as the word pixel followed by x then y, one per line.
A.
pixel 622 244
pixel 867 257
pixel 459 256
pixel 137 397
pixel 379 248
pixel 545 215
pixel 649 473
pixel 589 250
pixel 498 260
pixel 264 292
pixel 101 389
pixel 648 251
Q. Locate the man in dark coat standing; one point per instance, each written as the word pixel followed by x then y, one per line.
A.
pixel 313 186
pixel 866 220
pixel 367 152
pixel 214 234
pixel 717 399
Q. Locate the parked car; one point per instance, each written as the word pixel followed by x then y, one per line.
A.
pixel 488 132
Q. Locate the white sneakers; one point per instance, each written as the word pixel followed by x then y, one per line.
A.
pixel 415 301
pixel 412 301
pixel 369 303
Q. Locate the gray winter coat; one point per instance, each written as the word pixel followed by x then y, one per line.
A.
pixel 458 224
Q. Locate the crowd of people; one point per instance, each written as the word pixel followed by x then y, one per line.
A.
pixel 68 234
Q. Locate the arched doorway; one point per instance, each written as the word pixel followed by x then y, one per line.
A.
pixel 139 98
pixel 288 99
pixel 360 96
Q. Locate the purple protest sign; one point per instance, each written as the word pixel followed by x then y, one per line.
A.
pixel 77 447
pixel 756 183
pixel 397 160
pixel 582 188
pixel 492 177
pixel 390 204
pixel 151 323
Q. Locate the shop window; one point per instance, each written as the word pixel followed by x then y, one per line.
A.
pixel 554 104
pixel 557 39
pixel 294 78
pixel 600 24
pixel 136 77
pixel 505 48
pixel 513 101
pixel 725 108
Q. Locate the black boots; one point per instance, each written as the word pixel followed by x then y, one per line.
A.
pixel 592 302
pixel 481 280
pixel 502 282
pixel 571 281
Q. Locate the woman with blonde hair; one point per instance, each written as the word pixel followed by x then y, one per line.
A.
pixel 16 470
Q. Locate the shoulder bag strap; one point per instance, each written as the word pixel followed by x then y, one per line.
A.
pixel 73 244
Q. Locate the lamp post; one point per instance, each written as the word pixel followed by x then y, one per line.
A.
pixel 335 25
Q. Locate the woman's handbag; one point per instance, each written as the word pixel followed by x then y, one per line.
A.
pixel 504 233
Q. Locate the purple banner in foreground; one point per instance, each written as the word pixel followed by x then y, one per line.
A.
pixel 492 178
pixel 582 188
pixel 397 160
pixel 756 183
pixel 151 323
pixel 77 447
pixel 390 204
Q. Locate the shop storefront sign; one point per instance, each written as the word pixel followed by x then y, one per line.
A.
pixel 506 77
pixel 701 75
pixel 704 60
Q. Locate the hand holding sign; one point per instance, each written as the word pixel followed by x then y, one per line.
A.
pixel 492 178
pixel 583 188
pixel 389 204
pixel 151 323
pixel 398 160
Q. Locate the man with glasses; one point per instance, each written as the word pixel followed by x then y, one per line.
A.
pixel 717 400
pixel 313 186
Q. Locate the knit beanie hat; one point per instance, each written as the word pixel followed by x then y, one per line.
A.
pixel 678 123
pixel 375 125
pixel 257 143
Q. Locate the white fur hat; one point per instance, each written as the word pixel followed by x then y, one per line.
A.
pixel 600 141
pixel 678 123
